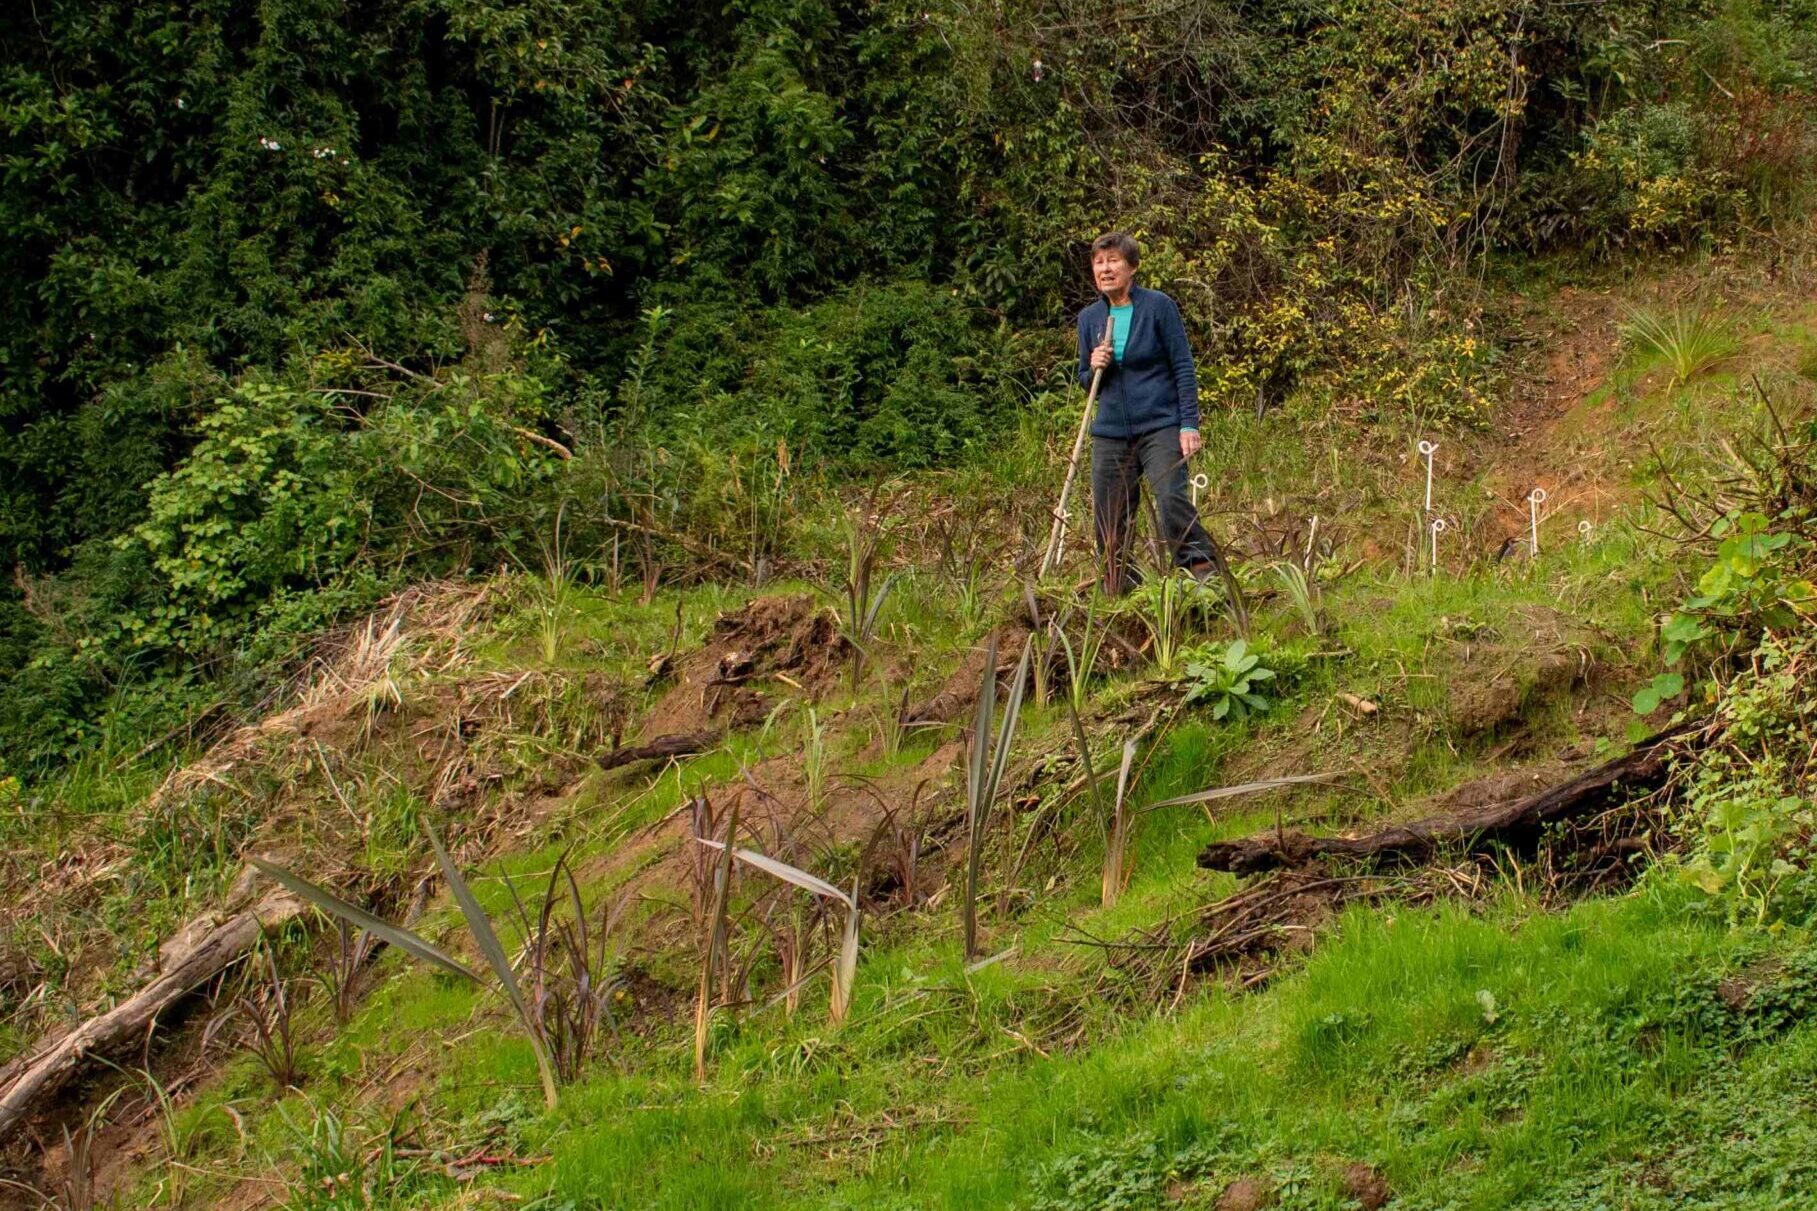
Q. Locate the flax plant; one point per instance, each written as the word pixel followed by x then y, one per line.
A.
pixel 478 924
pixel 1116 841
pixel 1163 604
pixel 985 761
pixel 814 760
pixel 713 943
pixel 1082 661
pixel 1690 341
pixel 1303 591
pixel 845 967
pixel 862 602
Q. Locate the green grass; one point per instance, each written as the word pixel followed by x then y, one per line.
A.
pixel 1605 1049
pixel 945 1048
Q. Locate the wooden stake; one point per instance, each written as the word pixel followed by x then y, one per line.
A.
pixel 1072 468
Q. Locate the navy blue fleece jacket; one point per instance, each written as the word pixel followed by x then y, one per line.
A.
pixel 1155 385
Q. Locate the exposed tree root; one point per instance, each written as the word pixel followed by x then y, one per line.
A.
pixel 679 745
pixel 1645 768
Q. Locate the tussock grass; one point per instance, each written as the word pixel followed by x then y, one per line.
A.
pixel 1690 340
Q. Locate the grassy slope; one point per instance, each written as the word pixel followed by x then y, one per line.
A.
pixel 1508 1056
pixel 957 1058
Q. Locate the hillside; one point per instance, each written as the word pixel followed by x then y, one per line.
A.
pixel 530 676
pixel 1541 1023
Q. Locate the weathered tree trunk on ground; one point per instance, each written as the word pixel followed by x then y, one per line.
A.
pixel 1645 768
pixel 680 745
pixel 200 951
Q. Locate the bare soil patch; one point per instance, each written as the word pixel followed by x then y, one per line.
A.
pixel 776 640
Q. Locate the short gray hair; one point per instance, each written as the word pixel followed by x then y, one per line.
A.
pixel 1121 243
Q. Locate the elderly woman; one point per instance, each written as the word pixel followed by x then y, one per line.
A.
pixel 1148 414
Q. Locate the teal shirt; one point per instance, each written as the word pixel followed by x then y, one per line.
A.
pixel 1120 334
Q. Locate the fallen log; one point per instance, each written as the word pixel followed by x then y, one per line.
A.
pixel 681 744
pixel 200 951
pixel 1645 768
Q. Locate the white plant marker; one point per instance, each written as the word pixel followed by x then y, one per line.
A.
pixel 1427 450
pixel 1200 482
pixel 1586 527
pixel 1438 527
pixel 1535 499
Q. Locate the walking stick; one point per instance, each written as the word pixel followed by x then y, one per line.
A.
pixel 1058 533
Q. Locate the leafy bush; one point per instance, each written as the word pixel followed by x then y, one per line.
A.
pixel 1653 185
pixel 265 500
pixel 1757 581
pixel 893 375
pixel 285 492
pixel 1747 807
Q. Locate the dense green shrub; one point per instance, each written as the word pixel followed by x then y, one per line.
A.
pixel 286 491
pixel 726 245
pixel 876 374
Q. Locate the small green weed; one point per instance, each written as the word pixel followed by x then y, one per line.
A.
pixel 1229 680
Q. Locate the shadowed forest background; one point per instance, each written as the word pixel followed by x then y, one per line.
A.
pixel 727 256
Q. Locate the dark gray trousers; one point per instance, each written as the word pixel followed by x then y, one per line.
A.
pixel 1118 467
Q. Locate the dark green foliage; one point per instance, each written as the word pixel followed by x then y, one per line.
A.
pixel 876 375
pixel 684 240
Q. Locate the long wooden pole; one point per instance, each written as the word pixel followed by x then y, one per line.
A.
pixel 1072 467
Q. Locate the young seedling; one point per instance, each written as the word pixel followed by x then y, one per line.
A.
pixel 341 979
pixel 477 923
pixel 845 969
pixel 1163 604
pixel 1303 591
pixel 267 1009
pixel 898 841
pixel 1103 817
pixel 792 937
pixel 1044 629
pixel 486 938
pixel 1161 568
pixel 1081 662
pixel 713 944
pixel 814 760
pixel 76 1191
pixel 555 595
pixel 571 973
pixel 1116 844
pixel 984 772
pixel 862 605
